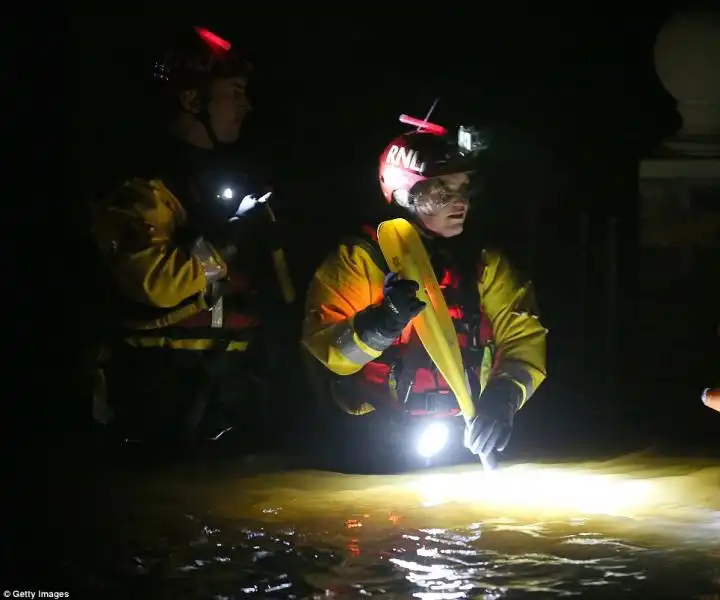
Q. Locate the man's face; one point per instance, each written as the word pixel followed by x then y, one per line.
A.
pixel 228 107
pixel 442 204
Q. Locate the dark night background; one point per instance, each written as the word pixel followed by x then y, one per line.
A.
pixel 571 95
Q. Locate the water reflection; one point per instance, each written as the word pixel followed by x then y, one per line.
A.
pixel 635 526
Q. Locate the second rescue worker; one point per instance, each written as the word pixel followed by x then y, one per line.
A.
pixel 171 238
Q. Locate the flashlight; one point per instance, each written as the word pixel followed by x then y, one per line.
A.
pixel 432 440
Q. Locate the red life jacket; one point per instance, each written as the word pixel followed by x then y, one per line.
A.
pixel 233 317
pixel 474 331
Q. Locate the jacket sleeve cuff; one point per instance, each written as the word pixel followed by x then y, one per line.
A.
pixel 368 332
pixel 352 346
pixel 508 387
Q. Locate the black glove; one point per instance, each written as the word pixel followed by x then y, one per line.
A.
pixel 387 319
pixel 495 409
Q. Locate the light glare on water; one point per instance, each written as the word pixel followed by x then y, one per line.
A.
pixel 630 526
pixel 537 488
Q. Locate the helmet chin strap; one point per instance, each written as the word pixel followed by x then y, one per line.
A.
pixel 204 117
pixel 411 212
pixel 424 231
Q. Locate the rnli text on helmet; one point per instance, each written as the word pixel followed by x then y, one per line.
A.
pixel 400 156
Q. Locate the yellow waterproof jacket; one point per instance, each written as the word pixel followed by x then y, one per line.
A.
pixel 162 282
pixel 349 280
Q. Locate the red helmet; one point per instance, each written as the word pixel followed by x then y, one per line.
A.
pixel 196 58
pixel 424 154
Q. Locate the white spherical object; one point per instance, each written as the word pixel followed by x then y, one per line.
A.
pixel 687 60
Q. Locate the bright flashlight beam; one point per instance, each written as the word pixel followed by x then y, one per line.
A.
pixel 529 487
pixel 432 440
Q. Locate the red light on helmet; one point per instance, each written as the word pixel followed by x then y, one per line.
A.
pixel 212 40
pixel 423 125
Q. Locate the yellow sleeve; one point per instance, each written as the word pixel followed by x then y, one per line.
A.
pixel 136 230
pixel 519 335
pixel 347 282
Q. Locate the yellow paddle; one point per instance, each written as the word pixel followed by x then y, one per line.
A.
pixel 405 254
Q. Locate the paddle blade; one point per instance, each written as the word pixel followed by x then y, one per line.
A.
pixel 405 253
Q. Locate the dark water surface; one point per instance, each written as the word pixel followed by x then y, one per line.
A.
pixel 636 526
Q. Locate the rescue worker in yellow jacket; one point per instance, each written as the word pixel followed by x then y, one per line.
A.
pixel 358 314
pixel 171 240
